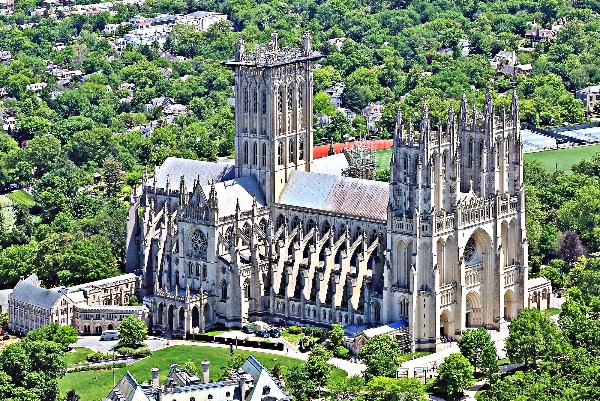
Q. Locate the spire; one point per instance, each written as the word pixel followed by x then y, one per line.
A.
pixel 488 110
pixel 399 129
pixel 425 119
pixel 514 106
pixel 463 113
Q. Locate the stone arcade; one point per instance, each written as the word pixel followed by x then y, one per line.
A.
pixel 282 238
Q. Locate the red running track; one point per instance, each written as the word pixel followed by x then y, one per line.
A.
pixel 378 144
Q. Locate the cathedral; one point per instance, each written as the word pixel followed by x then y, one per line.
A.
pixel 279 237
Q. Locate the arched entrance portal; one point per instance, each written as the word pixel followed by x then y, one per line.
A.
pixel 510 305
pixel 445 324
pixel 207 316
pixel 195 318
pixel 473 310
pixel 161 313
pixel 170 317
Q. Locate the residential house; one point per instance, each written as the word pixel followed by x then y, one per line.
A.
pixel 36 87
pixel 589 96
pixel 521 69
pixel 503 57
pixel 372 114
pixel 251 382
pixel 336 92
pixel 161 102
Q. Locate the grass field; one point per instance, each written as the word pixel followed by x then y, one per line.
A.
pixel 93 385
pixel 21 197
pixel 383 159
pixel 564 158
pixel 77 357
pixel 6 209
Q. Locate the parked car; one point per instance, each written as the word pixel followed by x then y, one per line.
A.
pixel 109 335
pixel 5 337
pixel 247 329
pixel 263 334
pixel 275 332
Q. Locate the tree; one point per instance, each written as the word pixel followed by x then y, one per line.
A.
pixel 65 336
pixel 336 336
pixel 380 354
pixel 455 376
pixel 43 152
pixel 392 389
pixel 477 346
pixel 132 332
pixel 191 367
pixel 570 247
pixel 346 389
pixel 277 371
pixel 72 396
pixel 113 175
pixel 317 368
pixel 235 362
pixel 529 335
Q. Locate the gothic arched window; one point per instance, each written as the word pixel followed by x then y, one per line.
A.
pixel 246 152
pixel 480 160
pixel 246 289
pixel 377 312
pixel 470 249
pixel 199 242
pixel 254 102
pixel 300 97
pixel 280 101
pixel 291 153
pixel 246 100
pixel 190 268
pixel 301 150
pixel 255 154
pixel 289 99
pixel 223 290
pixel 264 154
pixel 471 151
pixel 263 101
pixel 279 153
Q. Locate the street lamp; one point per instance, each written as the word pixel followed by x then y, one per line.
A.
pixel 113 366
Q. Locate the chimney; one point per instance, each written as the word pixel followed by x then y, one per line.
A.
pixel 205 371
pixel 154 378
pixel 242 384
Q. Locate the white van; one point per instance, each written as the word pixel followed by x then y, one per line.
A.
pixel 109 335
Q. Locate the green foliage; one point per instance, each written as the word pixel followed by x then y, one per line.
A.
pixel 530 335
pixel 99 357
pixel 391 389
pixel 336 336
pixel 380 354
pixel 477 346
pixel 234 363
pixel 132 332
pixel 191 367
pixel 455 376
pixel 346 389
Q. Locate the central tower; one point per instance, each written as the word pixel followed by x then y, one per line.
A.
pixel 273 112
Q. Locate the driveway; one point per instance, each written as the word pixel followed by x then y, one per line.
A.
pixel 94 343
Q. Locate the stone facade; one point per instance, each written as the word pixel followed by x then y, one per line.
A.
pixel 277 237
pixel 96 319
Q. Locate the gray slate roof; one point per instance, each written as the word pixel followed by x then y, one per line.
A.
pixel 342 195
pixel 34 295
pixel 175 167
pixel 244 189
pixel 333 164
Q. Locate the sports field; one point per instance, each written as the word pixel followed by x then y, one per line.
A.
pixel 6 209
pixel 561 159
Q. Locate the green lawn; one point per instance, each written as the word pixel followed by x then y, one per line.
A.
pixel 77 357
pixel 292 338
pixel 6 209
pixel 564 158
pixel 549 158
pixel 408 357
pixel 22 198
pixel 383 159
pixel 93 385
pixel 551 311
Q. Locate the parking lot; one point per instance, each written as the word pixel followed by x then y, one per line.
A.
pixel 94 342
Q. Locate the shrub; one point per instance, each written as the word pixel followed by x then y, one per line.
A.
pixel 141 352
pixel 295 330
pixel 86 368
pixel 99 356
pixel 342 352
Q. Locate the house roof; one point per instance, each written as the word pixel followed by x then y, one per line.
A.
pixel 34 295
pixel 97 283
pixel 388 328
pixel 206 172
pixel 342 195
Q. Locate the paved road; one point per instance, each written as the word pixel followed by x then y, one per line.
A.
pixel 94 343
